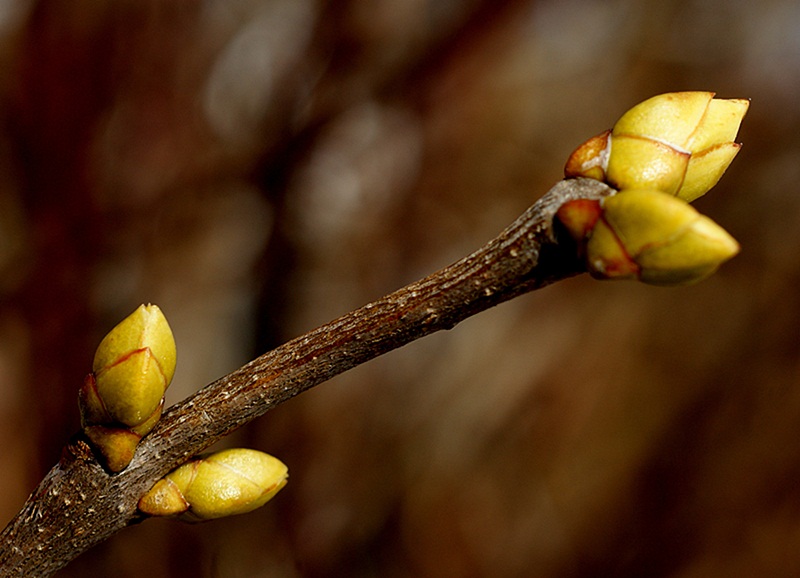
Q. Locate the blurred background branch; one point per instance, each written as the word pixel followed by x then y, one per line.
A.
pixel 258 167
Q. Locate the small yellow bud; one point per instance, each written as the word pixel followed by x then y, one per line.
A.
pixel 648 235
pixel 225 483
pixel 679 143
pixel 122 399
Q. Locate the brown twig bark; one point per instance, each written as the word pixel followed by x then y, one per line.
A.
pixel 78 504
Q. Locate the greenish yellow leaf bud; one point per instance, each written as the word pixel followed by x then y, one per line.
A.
pixel 225 483
pixel 134 364
pixel 122 399
pixel 679 143
pixel 651 236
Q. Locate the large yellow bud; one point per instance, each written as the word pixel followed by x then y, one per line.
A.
pixel 647 235
pixel 679 143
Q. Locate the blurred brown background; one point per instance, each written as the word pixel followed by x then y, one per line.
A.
pixel 258 167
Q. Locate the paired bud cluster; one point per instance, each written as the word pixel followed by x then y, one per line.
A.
pixel 121 400
pixel 225 483
pixel 662 154
pixel 680 143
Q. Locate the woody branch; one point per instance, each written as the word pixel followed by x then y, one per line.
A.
pixel 78 504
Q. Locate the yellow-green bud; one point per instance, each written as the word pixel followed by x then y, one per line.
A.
pixel 134 364
pixel 224 483
pixel 679 143
pixel 647 235
pixel 122 399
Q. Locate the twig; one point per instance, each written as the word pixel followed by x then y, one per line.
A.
pixel 78 504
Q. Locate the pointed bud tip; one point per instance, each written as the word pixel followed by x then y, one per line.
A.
pixel 146 327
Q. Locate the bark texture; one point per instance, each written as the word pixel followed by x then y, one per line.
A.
pixel 78 504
